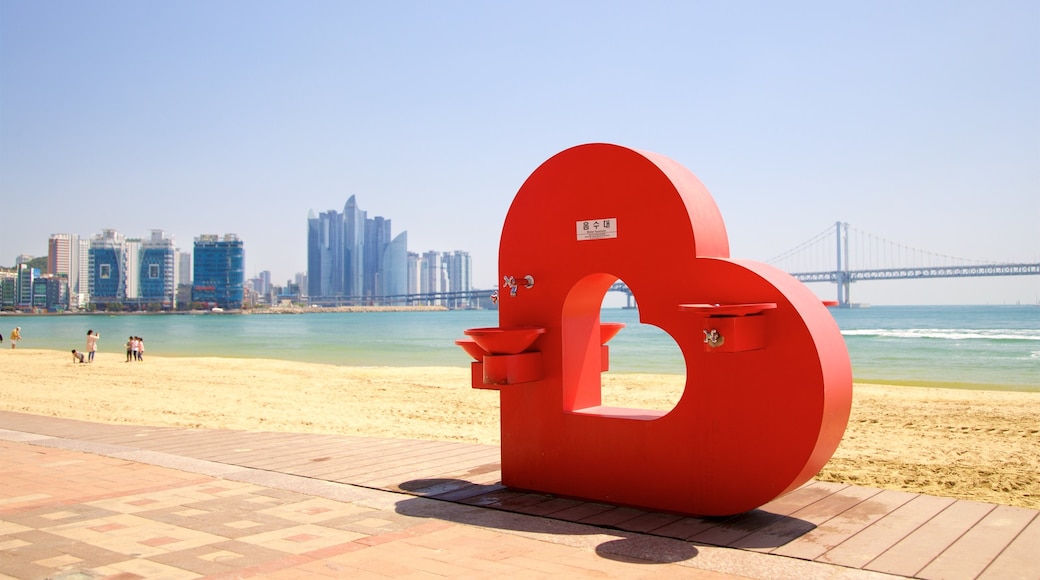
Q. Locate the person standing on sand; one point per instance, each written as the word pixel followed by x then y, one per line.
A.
pixel 92 344
pixel 140 348
pixel 16 335
pixel 129 348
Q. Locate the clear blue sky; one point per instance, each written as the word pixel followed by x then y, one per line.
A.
pixel 917 121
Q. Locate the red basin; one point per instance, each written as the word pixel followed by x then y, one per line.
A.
pixel 472 348
pixel 511 340
pixel 608 330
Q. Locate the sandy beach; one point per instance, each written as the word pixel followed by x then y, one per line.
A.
pixel 978 445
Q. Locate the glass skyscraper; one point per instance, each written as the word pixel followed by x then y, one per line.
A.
pixel 354 223
pixel 219 273
pixel 354 259
pixel 325 266
pixel 157 259
pixel 107 257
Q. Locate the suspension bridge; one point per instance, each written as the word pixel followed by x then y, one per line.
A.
pixel 843 254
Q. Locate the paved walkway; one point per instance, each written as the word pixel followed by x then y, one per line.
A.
pixel 75 506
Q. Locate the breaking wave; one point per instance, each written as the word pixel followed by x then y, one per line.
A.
pixel 947 333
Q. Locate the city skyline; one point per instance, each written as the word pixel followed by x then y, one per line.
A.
pixel 917 122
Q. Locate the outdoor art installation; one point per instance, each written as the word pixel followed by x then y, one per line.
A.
pixel 768 379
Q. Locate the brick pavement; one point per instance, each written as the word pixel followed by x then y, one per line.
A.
pixel 71 511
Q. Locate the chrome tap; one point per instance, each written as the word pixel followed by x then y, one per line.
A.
pixel 713 339
pixel 510 282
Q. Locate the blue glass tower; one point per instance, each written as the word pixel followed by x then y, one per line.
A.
pixel 157 284
pixel 219 279
pixel 107 276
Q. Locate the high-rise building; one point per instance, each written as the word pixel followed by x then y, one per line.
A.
pixel 338 264
pixel 183 268
pixel 27 276
pixel 354 221
pixel 132 259
pixel 377 238
pixel 414 272
pixel 432 276
pixel 393 275
pixel 63 259
pixel 107 277
pixel 374 264
pixel 157 284
pixel 325 262
pixel 219 279
pixel 264 287
pixel 8 287
pixel 50 293
pixel 459 268
pixel 81 295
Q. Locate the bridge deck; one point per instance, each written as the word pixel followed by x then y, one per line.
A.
pixel 864 528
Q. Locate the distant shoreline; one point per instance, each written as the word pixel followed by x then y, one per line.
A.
pixel 249 311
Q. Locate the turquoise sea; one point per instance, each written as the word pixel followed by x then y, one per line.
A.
pixel 971 346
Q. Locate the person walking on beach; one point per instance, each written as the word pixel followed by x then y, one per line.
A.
pixel 92 344
pixel 16 335
pixel 140 349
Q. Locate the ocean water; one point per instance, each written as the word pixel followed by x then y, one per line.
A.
pixel 969 346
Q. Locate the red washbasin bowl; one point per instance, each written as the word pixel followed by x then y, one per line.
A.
pixel 472 348
pixel 608 330
pixel 505 340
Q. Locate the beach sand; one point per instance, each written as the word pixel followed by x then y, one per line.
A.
pixel 978 445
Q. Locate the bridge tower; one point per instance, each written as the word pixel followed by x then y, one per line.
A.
pixel 843 275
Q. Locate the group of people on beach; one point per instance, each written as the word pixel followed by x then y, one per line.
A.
pixel 135 349
pixel 134 346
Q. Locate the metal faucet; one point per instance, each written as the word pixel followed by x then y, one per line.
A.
pixel 510 282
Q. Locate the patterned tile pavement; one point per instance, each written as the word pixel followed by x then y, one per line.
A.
pixel 73 512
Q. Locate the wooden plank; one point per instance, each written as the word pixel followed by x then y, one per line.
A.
pixel 836 530
pixel 688 527
pixel 911 554
pixel 446 462
pixel 468 491
pixel 871 542
pixel 509 499
pixel 360 457
pixel 805 520
pixel 583 510
pixel 612 517
pixel 1021 559
pixel 750 522
pixel 367 460
pixel 547 507
pixel 646 523
pixel 981 545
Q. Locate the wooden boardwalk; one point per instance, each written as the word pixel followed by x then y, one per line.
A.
pixel 893 532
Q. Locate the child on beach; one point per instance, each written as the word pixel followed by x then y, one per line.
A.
pixel 77 356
